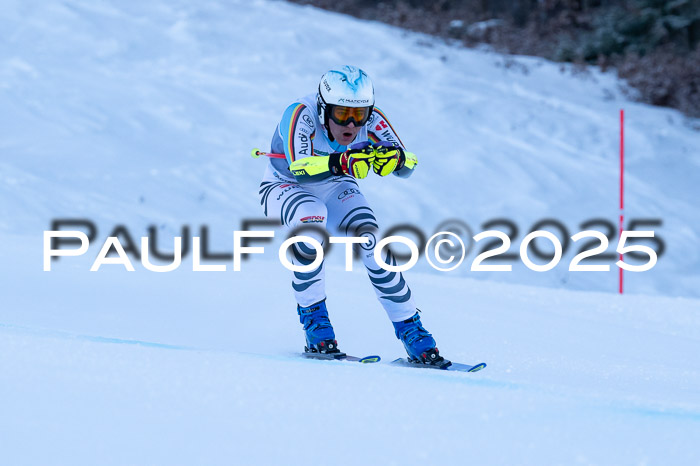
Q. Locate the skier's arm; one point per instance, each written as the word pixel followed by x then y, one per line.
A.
pixel 297 130
pixel 399 162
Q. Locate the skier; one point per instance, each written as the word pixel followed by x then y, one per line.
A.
pixel 330 138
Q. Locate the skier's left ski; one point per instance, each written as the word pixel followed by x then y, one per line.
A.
pixel 454 366
pixel 341 357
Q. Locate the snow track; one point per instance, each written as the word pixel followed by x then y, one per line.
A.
pixel 143 114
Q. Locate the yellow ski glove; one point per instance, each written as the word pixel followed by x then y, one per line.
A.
pixel 388 158
pixel 356 161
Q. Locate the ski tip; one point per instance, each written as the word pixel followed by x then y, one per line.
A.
pixel 370 359
pixel 478 367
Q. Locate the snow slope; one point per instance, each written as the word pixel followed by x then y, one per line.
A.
pixel 143 114
pixel 114 372
pixel 152 109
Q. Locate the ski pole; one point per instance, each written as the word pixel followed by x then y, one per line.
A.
pixel 256 153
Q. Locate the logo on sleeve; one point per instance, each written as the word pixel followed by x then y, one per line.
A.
pixel 304 145
pixel 382 125
pixel 309 122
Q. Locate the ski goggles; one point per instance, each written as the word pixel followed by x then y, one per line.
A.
pixel 344 115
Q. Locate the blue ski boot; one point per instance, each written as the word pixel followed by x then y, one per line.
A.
pixel 420 345
pixel 320 337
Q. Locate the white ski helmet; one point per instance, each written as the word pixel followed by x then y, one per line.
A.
pixel 348 86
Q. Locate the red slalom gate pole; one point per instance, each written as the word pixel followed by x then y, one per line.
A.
pixel 622 185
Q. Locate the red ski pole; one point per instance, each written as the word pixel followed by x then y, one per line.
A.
pixel 256 153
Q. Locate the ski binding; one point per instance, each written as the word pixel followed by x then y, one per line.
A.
pixel 331 352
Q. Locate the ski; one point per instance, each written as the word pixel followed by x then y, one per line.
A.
pixel 341 357
pixel 455 366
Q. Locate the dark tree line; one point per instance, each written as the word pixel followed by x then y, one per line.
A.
pixel 651 43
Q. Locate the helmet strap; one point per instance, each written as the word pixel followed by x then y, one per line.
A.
pixel 323 110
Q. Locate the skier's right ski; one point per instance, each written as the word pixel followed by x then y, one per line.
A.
pixel 328 350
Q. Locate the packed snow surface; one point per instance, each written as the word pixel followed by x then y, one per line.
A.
pixel 143 114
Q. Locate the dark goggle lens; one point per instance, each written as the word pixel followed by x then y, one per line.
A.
pixel 344 115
